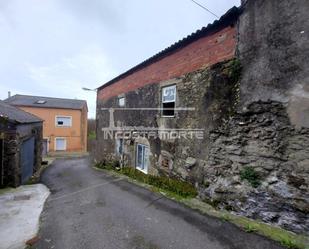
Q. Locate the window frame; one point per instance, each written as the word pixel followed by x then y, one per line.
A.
pixel 120 145
pixel 166 102
pixel 124 101
pixel 63 116
pixel 145 158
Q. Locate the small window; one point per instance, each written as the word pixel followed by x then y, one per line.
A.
pixel 40 102
pixel 168 101
pixel 63 121
pixel 121 101
pixel 142 154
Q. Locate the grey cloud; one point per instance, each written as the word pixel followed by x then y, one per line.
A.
pixel 4 4
pixel 50 46
pixel 100 12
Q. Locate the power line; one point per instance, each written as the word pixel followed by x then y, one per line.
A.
pixel 208 10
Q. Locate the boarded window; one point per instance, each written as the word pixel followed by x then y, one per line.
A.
pixel 168 101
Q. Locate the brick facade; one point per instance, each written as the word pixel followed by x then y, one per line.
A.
pixel 201 53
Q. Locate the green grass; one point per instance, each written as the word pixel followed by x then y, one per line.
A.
pixel 289 243
pixel 108 165
pixel 250 228
pixel 92 135
pixel 225 217
pixel 284 237
pixel 173 187
pixel 6 190
pixel 177 187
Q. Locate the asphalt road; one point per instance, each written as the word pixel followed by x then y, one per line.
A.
pixel 90 209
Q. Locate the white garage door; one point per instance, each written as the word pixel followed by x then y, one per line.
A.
pixel 61 144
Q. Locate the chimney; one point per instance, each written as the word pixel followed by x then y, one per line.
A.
pixel 9 94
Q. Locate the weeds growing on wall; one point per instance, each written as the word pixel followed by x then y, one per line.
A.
pixel 108 165
pixel 249 174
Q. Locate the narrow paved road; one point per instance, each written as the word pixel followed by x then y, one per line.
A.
pixel 89 209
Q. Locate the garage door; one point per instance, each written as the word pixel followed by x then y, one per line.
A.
pixel 27 159
pixel 61 144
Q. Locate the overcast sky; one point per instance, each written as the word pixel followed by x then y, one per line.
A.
pixel 56 47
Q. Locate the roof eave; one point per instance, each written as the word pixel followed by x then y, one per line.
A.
pixel 229 18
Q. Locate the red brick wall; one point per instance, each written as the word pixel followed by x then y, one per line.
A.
pixel 201 53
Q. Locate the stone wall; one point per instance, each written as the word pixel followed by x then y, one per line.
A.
pixel 11 173
pixel 13 138
pixel 269 132
pixel 254 157
pixel 260 138
pixel 210 91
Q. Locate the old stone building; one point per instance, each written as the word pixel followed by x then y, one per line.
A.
pixel 226 108
pixel 21 135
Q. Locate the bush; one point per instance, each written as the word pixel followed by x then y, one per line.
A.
pixel 108 165
pixel 92 135
pixel 178 187
pixel 249 174
pixel 183 189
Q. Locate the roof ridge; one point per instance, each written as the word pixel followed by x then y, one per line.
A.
pixel 35 96
pixel 46 102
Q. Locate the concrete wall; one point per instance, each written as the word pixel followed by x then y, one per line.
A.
pixel 273 47
pixel 75 135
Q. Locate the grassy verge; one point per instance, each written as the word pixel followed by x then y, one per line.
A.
pixel 284 237
pixel 177 187
pixel 173 186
